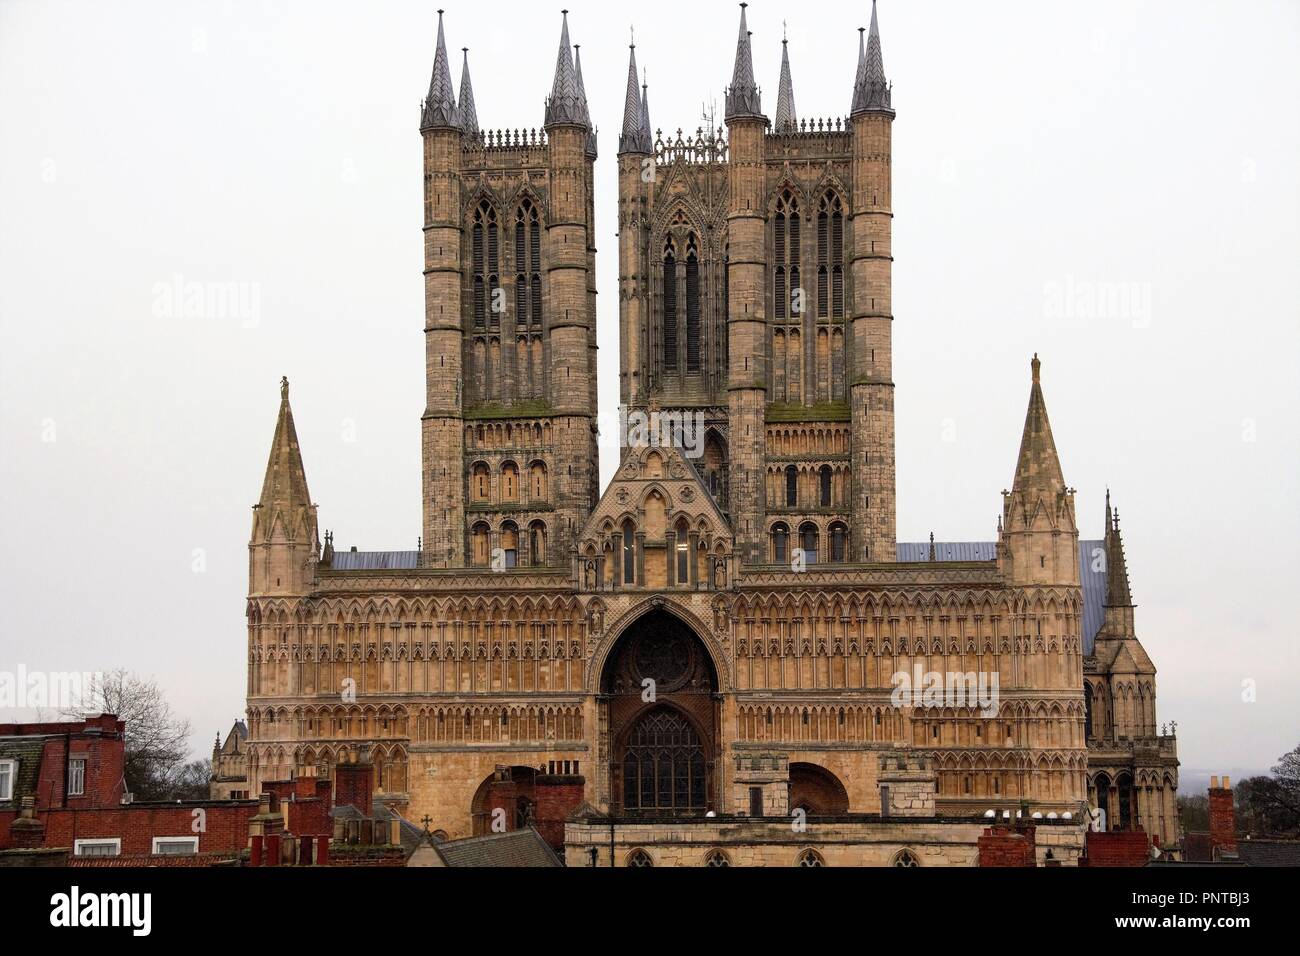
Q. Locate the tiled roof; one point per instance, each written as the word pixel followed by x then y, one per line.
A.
pixel 375 560
pixel 947 551
pixel 1269 852
pixel 517 848
pixel 27 751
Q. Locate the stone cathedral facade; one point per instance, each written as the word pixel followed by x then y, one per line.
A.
pixel 700 664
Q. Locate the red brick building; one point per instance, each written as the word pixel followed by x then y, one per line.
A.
pixel 62 787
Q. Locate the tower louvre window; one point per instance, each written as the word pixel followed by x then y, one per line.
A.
pixel 791 486
pixel 692 306
pixel 484 256
pixel 823 256
pixel 528 266
pixel 670 306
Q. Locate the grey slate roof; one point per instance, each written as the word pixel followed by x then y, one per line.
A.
pixel 516 848
pixel 1269 852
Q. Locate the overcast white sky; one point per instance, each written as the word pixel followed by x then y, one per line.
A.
pixel 1110 184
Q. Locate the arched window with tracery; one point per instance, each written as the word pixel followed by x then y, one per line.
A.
pixel 664 765
pixel 810 857
pixel 717 858
pixel 906 858
pixel 639 858
pixel 669 299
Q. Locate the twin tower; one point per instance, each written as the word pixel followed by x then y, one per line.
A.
pixel 754 302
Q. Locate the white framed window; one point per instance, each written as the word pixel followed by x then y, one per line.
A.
pixel 8 773
pixel 76 776
pixel 100 846
pixel 175 846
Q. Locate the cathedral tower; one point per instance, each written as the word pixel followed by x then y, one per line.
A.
pixel 746 302
pixel 509 446
pixel 755 277
pixel 872 389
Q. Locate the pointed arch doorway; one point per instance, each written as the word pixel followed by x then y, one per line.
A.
pixel 660 697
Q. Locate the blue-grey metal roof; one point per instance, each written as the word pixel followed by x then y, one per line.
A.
pixel 1092 572
pixel 947 551
pixel 375 560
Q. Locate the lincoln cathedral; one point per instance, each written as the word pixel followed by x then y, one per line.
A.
pixel 697 664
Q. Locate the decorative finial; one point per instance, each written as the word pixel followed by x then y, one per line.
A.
pixel 632 33
pixel 784 32
pixel 1035 365
pixel 284 387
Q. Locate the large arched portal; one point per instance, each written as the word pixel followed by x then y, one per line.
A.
pixel 660 688
pixel 816 790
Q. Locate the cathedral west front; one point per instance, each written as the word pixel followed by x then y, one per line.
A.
pixel 704 663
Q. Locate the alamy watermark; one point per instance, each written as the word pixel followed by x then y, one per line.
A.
pixel 1079 300
pixel 922 688
pixel 189 299
pixel 675 428
pixel 22 689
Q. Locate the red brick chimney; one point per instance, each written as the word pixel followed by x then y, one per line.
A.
pixel 1223 818
pixel 26 831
